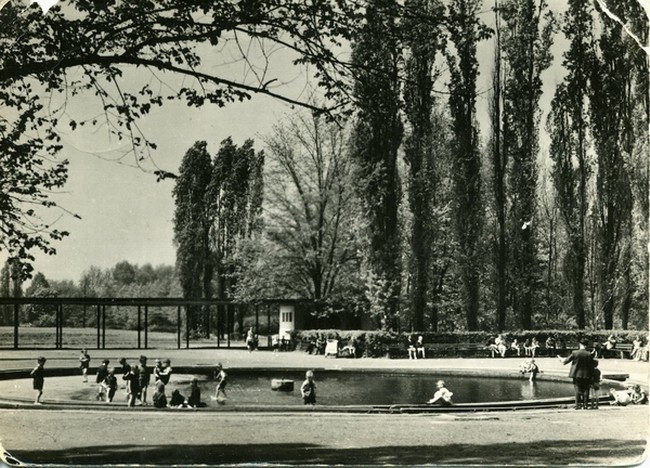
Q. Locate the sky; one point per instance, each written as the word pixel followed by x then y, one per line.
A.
pixel 127 215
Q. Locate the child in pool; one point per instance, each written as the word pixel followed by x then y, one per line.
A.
pixel 308 389
pixel 38 376
pixel 221 377
pixel 530 367
pixel 442 396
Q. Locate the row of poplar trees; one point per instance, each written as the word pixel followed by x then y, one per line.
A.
pixel 405 137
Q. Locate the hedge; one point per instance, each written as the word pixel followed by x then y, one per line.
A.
pixel 377 343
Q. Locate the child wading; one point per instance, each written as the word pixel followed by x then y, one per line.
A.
pixel 308 389
pixel 221 378
pixel 38 374
pixel 530 367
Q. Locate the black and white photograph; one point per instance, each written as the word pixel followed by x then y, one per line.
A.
pixel 324 233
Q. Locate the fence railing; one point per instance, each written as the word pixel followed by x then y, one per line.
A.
pixel 182 306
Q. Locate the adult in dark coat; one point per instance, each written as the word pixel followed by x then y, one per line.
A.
pixel 581 372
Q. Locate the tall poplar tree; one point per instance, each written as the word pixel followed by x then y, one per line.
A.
pixel 527 38
pixel 192 223
pixel 465 31
pixel 568 125
pixel 611 103
pixel 499 160
pixel 423 39
pixel 377 136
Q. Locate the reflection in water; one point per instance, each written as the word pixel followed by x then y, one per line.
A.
pixel 350 388
pixel 529 390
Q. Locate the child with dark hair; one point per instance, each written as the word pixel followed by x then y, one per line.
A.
pixel 110 385
pixel 38 376
pixel 178 400
pixel 195 395
pixel 100 376
pixel 159 398
pixel 132 384
pixel 222 378
pixel 638 395
pixel 529 366
pixel 84 364
pixel 144 378
pixel 595 384
pixel 165 373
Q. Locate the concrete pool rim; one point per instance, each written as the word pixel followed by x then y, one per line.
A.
pixel 208 370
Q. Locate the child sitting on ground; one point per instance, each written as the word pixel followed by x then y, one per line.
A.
pixel 159 398
pixel 195 395
pixel 530 367
pixel 621 397
pixel 638 395
pixel 178 400
pixel 442 396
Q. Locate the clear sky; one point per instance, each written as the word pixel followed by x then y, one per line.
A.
pixel 127 215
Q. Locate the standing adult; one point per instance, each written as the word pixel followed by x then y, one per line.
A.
pixel 581 372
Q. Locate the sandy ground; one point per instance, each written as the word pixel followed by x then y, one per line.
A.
pixel 609 436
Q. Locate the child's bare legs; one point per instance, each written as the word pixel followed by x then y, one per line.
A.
pixel 143 396
pixel 39 394
pixel 84 372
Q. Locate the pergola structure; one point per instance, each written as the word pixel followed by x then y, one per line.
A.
pixel 142 305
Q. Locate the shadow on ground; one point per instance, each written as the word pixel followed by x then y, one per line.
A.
pixel 552 452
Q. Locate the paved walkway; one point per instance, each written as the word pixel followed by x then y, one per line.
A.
pixel 639 372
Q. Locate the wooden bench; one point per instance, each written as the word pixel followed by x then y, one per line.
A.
pixel 621 350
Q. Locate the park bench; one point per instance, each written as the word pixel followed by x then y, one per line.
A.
pixel 620 350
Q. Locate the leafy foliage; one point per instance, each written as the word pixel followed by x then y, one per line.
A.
pixel 88 51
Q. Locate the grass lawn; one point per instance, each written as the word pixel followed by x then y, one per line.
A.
pixel 44 337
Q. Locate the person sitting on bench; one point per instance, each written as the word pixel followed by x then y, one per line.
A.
pixel 419 347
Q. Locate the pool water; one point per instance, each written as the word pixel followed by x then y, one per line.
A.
pixel 348 388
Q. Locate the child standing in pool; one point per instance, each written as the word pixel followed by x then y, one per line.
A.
pixel 38 375
pixel 221 378
pixel 308 389
pixel 530 367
